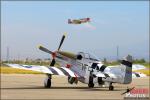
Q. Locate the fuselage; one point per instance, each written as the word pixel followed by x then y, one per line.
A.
pixel 78 21
pixel 82 67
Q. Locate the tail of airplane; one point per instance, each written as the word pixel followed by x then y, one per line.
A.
pixel 126 66
pixel 69 21
pixel 88 19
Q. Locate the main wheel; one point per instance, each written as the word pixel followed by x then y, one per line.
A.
pixel 111 88
pixel 91 85
pixel 68 78
pixel 47 83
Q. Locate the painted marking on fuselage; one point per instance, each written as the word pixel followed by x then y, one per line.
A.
pixel 102 68
pixel 26 66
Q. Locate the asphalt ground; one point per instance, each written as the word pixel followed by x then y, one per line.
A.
pixel 30 86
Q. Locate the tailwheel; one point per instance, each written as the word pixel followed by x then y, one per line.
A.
pixel 47 82
pixel 91 85
pixel 111 88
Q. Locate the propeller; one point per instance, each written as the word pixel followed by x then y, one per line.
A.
pixel 45 49
pixel 53 53
pixel 61 42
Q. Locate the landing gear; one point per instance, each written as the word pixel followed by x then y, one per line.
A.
pixel 47 82
pixel 72 80
pixel 100 81
pixel 111 88
pixel 91 85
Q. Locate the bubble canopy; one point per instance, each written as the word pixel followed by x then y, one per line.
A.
pixel 88 56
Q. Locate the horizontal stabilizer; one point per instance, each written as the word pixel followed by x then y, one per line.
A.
pixel 137 75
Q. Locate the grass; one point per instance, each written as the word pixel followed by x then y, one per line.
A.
pixel 146 65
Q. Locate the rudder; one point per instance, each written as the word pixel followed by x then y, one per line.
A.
pixel 127 66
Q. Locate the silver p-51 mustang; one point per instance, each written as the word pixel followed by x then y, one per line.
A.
pixel 83 67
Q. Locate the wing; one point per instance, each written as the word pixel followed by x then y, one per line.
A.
pixel 63 71
pixel 136 67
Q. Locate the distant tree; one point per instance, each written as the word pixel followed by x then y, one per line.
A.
pixel 139 60
pixel 142 60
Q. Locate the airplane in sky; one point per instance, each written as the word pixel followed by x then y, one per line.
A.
pixel 78 21
pixel 83 67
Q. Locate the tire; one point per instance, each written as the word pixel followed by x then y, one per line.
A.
pixel 111 88
pixel 47 83
pixel 68 78
pixel 91 85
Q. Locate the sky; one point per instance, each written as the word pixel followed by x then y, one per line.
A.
pixel 27 24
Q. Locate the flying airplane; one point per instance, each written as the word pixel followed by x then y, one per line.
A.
pixel 78 21
pixel 83 67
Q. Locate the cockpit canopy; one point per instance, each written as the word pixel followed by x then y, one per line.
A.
pixel 86 56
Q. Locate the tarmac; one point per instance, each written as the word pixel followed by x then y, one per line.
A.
pixel 30 86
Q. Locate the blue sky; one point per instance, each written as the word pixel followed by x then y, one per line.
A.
pixel 26 24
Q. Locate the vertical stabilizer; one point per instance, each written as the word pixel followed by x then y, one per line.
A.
pixel 127 67
pixel 69 21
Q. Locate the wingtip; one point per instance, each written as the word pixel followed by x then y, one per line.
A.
pixel 65 34
pixel 39 46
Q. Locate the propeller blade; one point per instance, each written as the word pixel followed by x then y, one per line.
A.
pixel 61 42
pixel 45 49
pixel 53 62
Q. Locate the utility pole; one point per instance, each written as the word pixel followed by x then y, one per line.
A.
pixel 7 55
pixel 18 58
pixel 117 53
